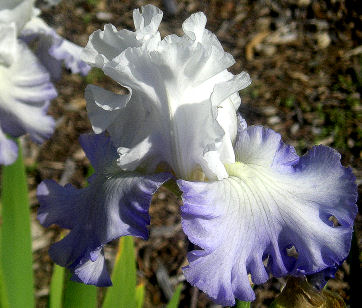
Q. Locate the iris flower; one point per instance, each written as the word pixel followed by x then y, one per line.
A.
pixel 248 198
pixel 52 49
pixel 25 93
pixel 25 79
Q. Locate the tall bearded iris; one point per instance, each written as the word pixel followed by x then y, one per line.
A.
pixel 25 78
pixel 248 198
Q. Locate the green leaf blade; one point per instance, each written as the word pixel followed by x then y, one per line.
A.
pixel 4 302
pixel 78 295
pixel 241 304
pixel 140 295
pixel 56 287
pixel 123 292
pixel 16 253
pixel 175 297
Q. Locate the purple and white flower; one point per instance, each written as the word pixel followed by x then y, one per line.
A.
pixel 25 93
pixel 25 79
pixel 248 198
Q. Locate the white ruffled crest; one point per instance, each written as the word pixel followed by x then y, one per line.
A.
pixel 103 46
pixel 147 21
pixel 181 104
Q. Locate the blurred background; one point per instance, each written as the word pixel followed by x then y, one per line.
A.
pixel 304 58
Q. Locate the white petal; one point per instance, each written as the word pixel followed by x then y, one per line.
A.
pixel 223 90
pixel 147 21
pixel 194 26
pixel 100 104
pixel 8 44
pixel 18 11
pixel 103 46
pixel 182 105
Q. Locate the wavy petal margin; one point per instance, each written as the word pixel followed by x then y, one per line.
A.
pixel 104 46
pixel 179 89
pixel 114 204
pixel 272 203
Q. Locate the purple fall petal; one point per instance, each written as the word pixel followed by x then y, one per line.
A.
pixel 320 279
pixel 114 204
pixel 271 202
pixel 92 271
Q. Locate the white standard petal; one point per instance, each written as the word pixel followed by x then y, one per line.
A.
pixel 103 46
pixel 271 202
pixel 173 110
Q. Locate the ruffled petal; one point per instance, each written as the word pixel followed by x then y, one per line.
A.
pixel 103 46
pixel 25 92
pixel 52 49
pixel 172 110
pixel 271 202
pixel 320 279
pixel 114 204
pixel 147 21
